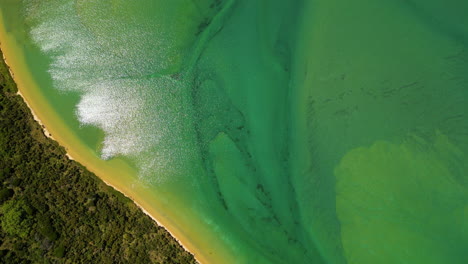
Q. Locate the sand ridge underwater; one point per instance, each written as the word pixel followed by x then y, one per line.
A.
pixel 295 131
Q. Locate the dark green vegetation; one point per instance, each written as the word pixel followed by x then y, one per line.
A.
pixel 55 211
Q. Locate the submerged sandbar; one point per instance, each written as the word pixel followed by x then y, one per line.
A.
pixel 115 172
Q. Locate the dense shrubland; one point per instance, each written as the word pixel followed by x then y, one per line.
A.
pixel 55 211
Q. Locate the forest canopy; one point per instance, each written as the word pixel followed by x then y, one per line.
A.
pixel 52 210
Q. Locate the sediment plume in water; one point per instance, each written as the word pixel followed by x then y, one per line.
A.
pixel 295 131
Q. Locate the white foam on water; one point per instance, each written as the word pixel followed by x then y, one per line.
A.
pixel 138 114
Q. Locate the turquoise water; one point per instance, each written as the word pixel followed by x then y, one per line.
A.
pixel 299 131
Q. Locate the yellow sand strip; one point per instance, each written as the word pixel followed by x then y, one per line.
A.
pixel 116 172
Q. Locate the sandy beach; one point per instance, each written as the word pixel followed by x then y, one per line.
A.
pixel 115 173
pixel 70 156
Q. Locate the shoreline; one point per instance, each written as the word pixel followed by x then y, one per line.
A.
pixel 117 171
pixel 35 117
pixel 69 156
pixel 149 214
pixel 165 207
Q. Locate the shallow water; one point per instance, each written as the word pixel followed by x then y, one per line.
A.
pixel 296 131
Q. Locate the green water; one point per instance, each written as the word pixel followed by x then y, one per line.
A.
pixel 297 131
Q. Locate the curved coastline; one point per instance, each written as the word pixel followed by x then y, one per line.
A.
pixel 116 172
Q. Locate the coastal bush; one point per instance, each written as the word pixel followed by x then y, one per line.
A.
pixel 15 220
pixel 5 194
pixel 55 211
